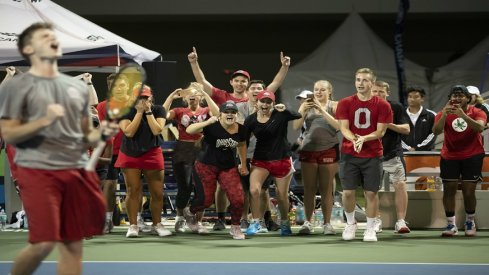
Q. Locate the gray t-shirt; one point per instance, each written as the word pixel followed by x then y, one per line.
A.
pixel 59 145
pixel 319 135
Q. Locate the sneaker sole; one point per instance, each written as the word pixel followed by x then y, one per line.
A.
pixel 403 231
pixel 369 240
pixel 448 235
pixel 470 235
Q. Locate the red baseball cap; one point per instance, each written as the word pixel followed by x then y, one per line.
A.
pixel 146 91
pixel 266 94
pixel 241 72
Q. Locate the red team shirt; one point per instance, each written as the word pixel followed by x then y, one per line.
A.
pixel 461 142
pixel 185 117
pixel 220 96
pixel 117 139
pixel 363 117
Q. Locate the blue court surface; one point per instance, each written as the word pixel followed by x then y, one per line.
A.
pixel 247 268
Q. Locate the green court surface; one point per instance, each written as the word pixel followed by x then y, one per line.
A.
pixel 416 247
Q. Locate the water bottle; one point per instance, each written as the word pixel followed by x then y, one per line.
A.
pixel 292 215
pixel 26 224
pixel 3 220
pixel 430 183
pixel 337 214
pixel 300 214
pixel 438 183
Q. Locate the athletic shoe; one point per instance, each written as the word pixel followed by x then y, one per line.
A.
pixel 378 225
pixel 328 229
pixel 219 225
pixel 160 230
pixel 370 235
pixel 272 226
pixel 349 232
pixel 108 226
pixel 253 228
pixel 306 228
pixel 244 224
pixel 180 224
pixel 285 229
pixel 470 230
pixel 263 227
pixel 401 227
pixel 201 229
pixel 191 220
pixel 132 231
pixel 235 231
pixel 449 231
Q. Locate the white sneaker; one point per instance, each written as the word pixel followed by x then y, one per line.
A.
pixel 349 232
pixel 449 231
pixel 142 226
pixel 378 225
pixel 191 220
pixel 306 228
pixel 235 231
pixel 201 229
pixel 370 235
pixel 132 231
pixel 263 227
pixel 180 224
pixel 328 229
pixel 160 230
pixel 470 230
pixel 401 227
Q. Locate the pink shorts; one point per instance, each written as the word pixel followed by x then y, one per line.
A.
pixel 61 205
pixel 320 157
pixel 277 168
pixel 151 160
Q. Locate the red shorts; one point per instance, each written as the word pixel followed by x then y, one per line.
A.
pixel 151 160
pixel 10 149
pixel 61 205
pixel 327 156
pixel 277 168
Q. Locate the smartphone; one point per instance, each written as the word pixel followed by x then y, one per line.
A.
pixel 310 97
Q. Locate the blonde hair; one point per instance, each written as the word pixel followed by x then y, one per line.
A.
pixel 330 97
pixel 367 71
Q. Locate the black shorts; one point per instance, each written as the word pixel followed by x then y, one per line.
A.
pixel 245 180
pixel 102 172
pixel 366 172
pixel 113 172
pixel 469 169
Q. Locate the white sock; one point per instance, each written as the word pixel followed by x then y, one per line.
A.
pixel 451 220
pixel 370 222
pixel 350 217
pixel 470 217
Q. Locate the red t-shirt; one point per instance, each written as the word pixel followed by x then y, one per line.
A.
pixel 185 117
pixel 102 113
pixel 363 117
pixel 220 96
pixel 461 141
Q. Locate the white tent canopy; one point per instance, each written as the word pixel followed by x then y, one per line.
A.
pixel 467 70
pixel 84 43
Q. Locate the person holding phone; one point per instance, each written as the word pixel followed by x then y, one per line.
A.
pixel 461 156
pixel 319 153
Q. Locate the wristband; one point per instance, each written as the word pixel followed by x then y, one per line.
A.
pixel 148 113
pixel 89 83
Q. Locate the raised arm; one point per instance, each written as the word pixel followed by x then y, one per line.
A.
pixel 10 72
pixel 87 78
pixel 198 74
pixel 213 108
pixel 169 100
pixel 280 77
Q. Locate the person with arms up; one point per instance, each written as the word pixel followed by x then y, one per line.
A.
pixel 420 137
pixel 393 158
pixel 461 156
pixel 46 115
pixel 363 120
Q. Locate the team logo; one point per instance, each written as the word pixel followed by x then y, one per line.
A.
pixel 8 36
pixel 459 125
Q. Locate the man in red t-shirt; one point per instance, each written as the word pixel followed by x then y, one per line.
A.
pixel 363 121
pixel 462 155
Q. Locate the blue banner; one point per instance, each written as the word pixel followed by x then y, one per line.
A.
pixel 399 51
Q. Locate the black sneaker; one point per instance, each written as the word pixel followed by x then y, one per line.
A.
pixel 272 226
pixel 219 225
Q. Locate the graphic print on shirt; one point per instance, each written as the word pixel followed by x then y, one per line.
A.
pixel 362 118
pixel 227 143
pixel 459 125
pixel 188 120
